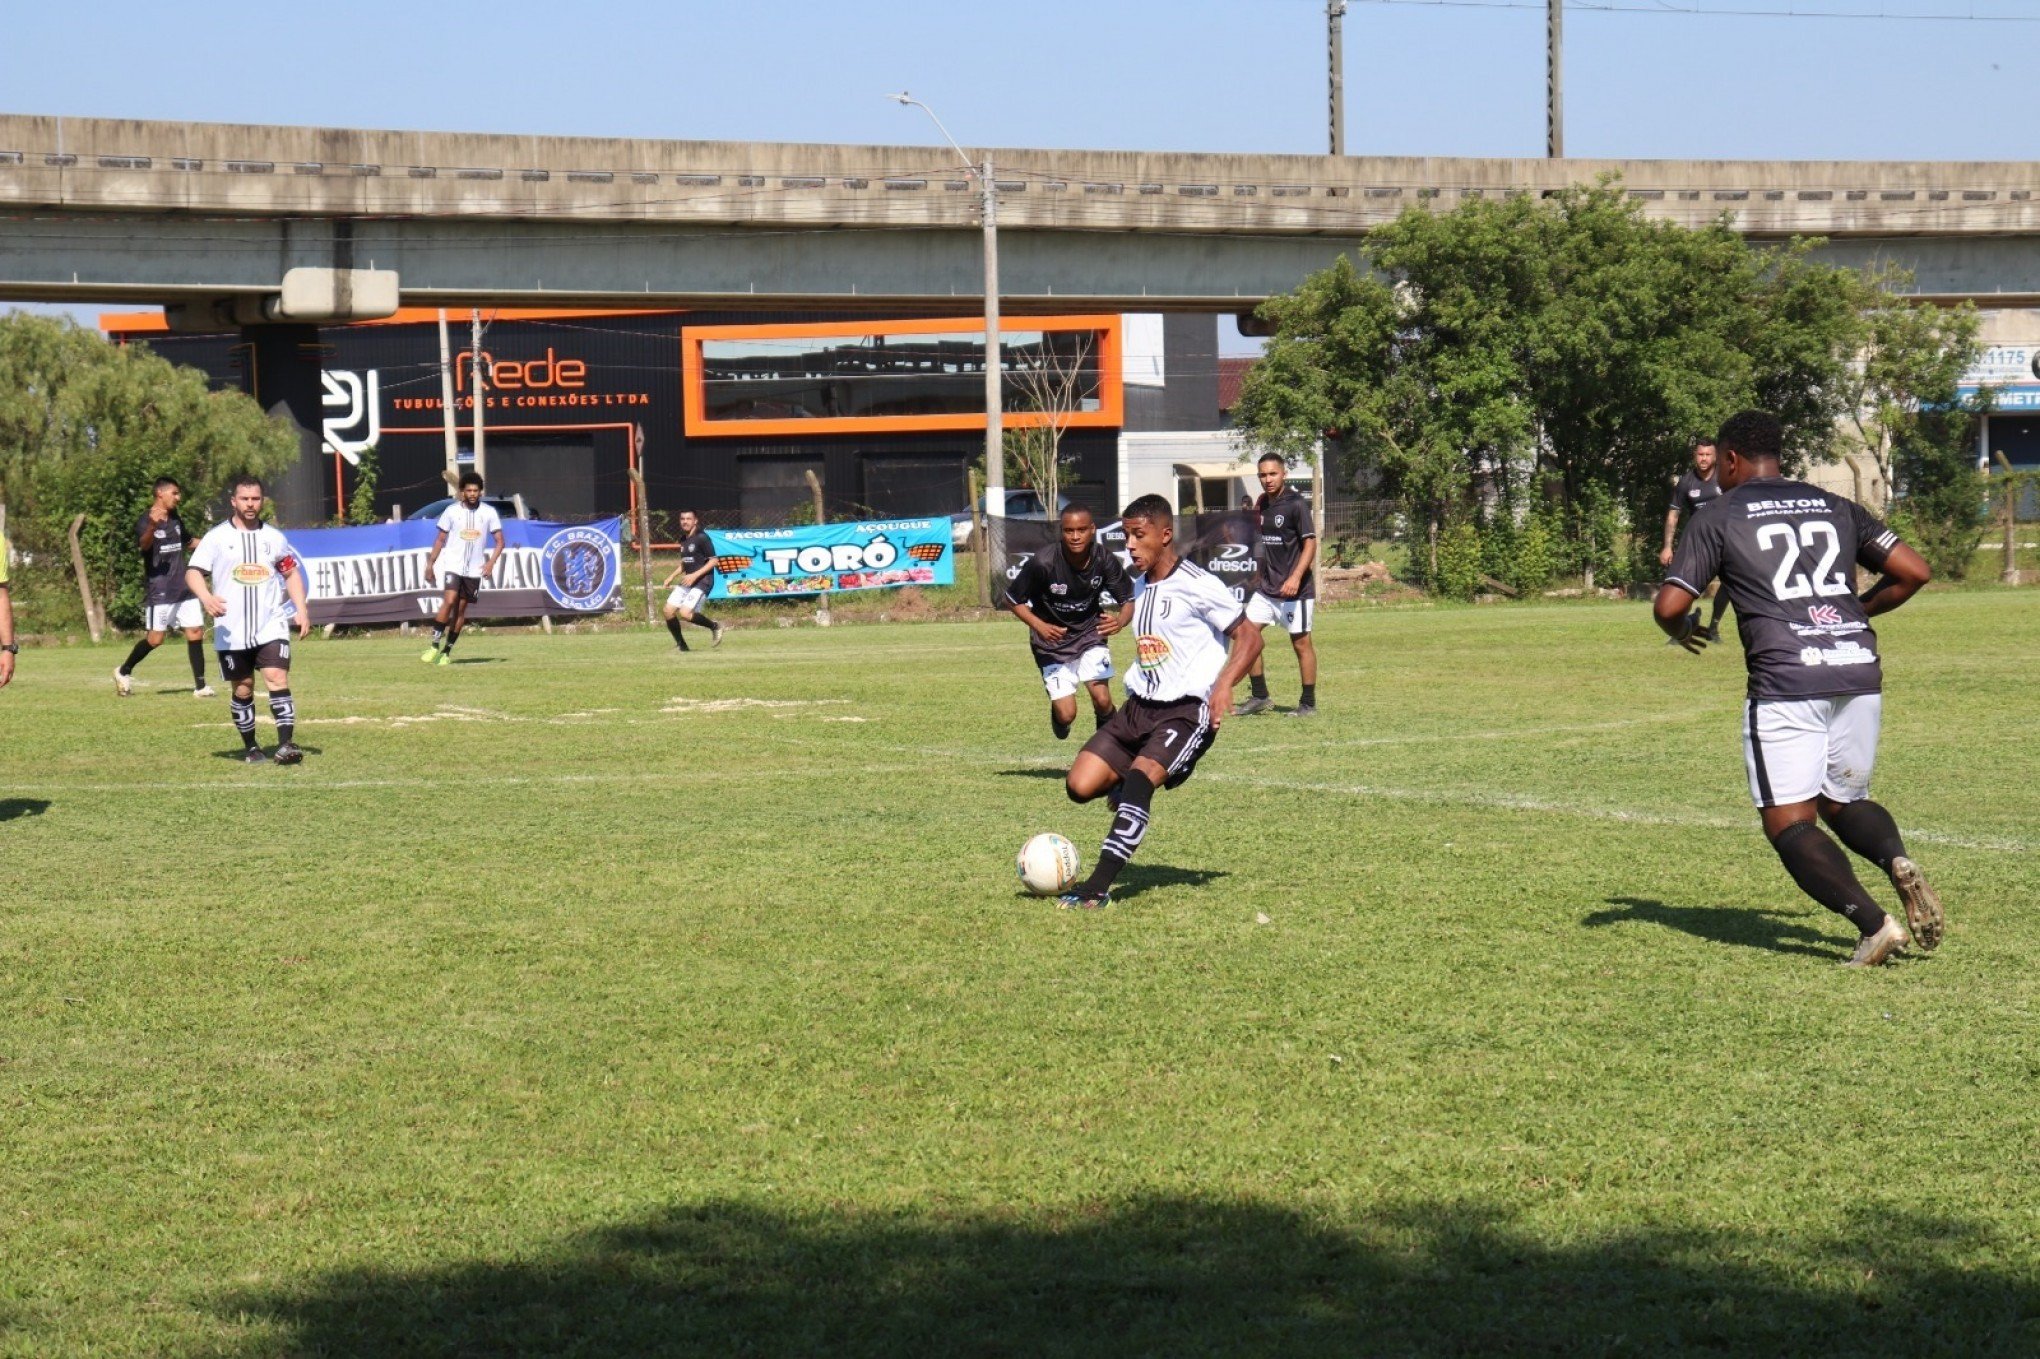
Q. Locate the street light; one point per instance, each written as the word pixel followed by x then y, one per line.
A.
pixel 995 455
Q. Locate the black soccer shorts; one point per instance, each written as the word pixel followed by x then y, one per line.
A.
pixel 242 664
pixel 465 588
pixel 1174 735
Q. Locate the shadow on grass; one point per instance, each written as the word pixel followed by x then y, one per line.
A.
pixel 238 753
pixel 1055 772
pixel 1740 925
pixel 1138 877
pixel 14 808
pixel 480 660
pixel 1171 1276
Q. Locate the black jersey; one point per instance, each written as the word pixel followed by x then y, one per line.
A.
pixel 1070 596
pixel 1285 524
pixel 1693 491
pixel 1787 553
pixel 695 552
pixel 163 559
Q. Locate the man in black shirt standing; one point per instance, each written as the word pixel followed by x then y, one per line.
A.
pixel 1285 590
pixel 1692 493
pixel 1786 553
pixel 1063 595
pixel 696 574
pixel 167 601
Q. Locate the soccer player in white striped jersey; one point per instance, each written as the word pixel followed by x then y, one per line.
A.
pixel 464 554
pixel 1192 644
pixel 257 589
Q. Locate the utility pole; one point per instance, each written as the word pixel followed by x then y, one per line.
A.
pixel 995 397
pixel 1554 79
pixel 1335 14
pixel 475 328
pixel 446 402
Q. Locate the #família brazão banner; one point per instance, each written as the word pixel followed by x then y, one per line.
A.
pixel 757 563
pixel 376 574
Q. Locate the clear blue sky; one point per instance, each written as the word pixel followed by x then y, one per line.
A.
pixel 1643 80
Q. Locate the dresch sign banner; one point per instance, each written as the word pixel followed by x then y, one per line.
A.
pixel 753 563
pixel 377 574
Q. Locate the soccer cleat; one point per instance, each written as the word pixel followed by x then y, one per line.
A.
pixel 446 658
pixel 122 685
pixel 288 753
pixel 431 654
pixel 1252 705
pixel 253 755
pixel 1922 906
pixel 715 635
pixel 1873 949
pixel 1080 901
pixel 204 691
pixel 1305 710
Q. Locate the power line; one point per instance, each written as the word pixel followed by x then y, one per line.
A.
pixel 1664 7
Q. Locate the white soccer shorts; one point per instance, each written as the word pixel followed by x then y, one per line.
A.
pixel 1293 614
pixel 1061 679
pixel 1797 749
pixel 163 617
pixel 687 597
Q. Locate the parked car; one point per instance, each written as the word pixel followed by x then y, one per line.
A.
pixel 505 509
pixel 1021 503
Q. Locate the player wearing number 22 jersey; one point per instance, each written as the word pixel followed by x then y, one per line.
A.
pixel 1192 644
pixel 1786 553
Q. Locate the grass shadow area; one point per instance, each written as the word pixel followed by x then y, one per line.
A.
pixel 1138 877
pixel 1056 772
pixel 1743 926
pixel 1171 1276
pixel 14 808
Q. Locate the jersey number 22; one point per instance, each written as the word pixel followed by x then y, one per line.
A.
pixel 1813 534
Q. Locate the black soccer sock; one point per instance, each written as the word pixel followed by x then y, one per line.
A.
pixel 703 620
pixel 1098 719
pixel 1817 864
pixel 452 636
pixel 196 651
pixel 1866 828
pixel 1129 824
pixel 137 656
pixel 243 710
pixel 438 633
pixel 1720 608
pixel 1257 685
pixel 679 637
pixel 284 710
pixel 1309 699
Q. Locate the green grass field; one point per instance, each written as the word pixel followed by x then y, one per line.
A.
pixel 582 998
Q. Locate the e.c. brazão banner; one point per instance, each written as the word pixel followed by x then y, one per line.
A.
pixel 758 563
pixel 377 574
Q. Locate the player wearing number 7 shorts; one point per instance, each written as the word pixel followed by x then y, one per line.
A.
pixel 1786 553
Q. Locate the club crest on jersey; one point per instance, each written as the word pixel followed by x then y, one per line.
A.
pixel 579 568
pixel 251 573
pixel 1152 651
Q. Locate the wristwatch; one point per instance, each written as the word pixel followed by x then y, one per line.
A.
pixel 12 648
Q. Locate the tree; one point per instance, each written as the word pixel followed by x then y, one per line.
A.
pixel 1056 385
pixel 1469 356
pixel 86 427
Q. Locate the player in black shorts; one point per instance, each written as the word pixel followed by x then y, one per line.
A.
pixel 1067 597
pixel 1786 554
pixel 1285 589
pixel 1192 644
pixel 696 574
pixel 1694 492
pixel 167 602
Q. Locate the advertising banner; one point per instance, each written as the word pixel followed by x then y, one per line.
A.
pixel 1220 542
pixel 376 574
pixel 760 563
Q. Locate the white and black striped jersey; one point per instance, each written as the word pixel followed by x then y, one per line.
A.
pixel 470 535
pixel 1787 553
pixel 248 568
pixel 1180 624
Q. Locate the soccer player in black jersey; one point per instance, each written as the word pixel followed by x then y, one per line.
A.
pixel 1072 598
pixel 696 574
pixel 1786 554
pixel 167 602
pixel 1192 644
pixel 1285 590
pixel 1693 492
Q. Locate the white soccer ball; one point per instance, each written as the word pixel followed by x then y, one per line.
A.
pixel 1047 864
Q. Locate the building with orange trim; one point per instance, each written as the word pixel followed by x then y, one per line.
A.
pixel 724 413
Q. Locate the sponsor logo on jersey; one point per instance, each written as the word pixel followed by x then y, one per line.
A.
pixel 472 535
pixel 1825 614
pixel 1153 651
pixel 579 568
pixel 251 573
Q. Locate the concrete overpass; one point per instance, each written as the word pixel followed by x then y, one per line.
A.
pixel 107 209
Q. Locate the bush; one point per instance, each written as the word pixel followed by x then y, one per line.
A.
pixel 1459 562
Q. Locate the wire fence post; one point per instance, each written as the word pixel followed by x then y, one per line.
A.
pixel 814 482
pixel 980 549
pixel 642 527
pixel 95 622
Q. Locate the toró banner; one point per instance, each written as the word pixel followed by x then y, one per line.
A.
pixel 756 563
pixel 377 574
